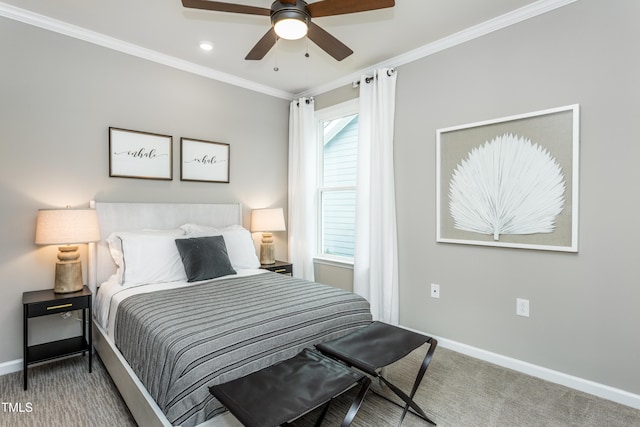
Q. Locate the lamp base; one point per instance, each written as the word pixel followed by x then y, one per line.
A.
pixel 68 277
pixel 267 253
pixel 267 249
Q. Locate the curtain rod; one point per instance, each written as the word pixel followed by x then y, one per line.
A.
pixel 306 101
pixel 368 79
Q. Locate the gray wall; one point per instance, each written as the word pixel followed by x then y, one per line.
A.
pixel 585 306
pixel 58 97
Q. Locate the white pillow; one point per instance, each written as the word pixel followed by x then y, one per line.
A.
pixel 240 247
pixel 146 256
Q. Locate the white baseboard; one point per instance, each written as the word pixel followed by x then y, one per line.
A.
pixel 16 365
pixel 576 383
pixel 10 366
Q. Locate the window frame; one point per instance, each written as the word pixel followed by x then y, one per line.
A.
pixel 333 112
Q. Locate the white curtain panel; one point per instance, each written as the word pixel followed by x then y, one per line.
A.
pixel 302 184
pixel 376 251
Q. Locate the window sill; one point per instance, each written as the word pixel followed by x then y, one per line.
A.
pixel 334 261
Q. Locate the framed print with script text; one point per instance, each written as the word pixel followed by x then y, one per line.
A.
pixel 134 154
pixel 204 161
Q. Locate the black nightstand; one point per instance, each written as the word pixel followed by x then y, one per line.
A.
pixel 44 303
pixel 282 267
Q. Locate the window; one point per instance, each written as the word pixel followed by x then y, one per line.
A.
pixel 338 149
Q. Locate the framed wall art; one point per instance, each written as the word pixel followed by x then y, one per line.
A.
pixel 204 161
pixel 134 154
pixel 510 182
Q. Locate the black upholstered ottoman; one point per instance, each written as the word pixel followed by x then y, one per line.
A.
pixel 289 389
pixel 377 345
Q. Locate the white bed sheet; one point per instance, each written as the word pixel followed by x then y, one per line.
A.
pixel 111 293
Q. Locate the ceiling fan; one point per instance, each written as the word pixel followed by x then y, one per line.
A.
pixel 291 19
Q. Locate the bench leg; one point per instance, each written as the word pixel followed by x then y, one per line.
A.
pixel 353 409
pixel 423 369
pixel 357 402
pixel 322 414
pixel 409 402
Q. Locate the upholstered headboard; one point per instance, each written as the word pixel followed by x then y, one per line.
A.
pixel 137 216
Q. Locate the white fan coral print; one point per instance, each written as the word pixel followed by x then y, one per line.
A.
pixel 507 186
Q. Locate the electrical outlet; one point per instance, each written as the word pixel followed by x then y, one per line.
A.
pixel 522 307
pixel 435 291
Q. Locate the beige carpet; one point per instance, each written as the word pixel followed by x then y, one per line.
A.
pixel 458 391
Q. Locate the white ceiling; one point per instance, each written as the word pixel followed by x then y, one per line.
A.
pixel 164 31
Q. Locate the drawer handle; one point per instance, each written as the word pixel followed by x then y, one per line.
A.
pixel 280 270
pixel 53 307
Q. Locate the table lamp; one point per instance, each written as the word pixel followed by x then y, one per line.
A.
pixel 267 221
pixel 67 227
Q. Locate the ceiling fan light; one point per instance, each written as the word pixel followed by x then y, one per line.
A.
pixel 291 28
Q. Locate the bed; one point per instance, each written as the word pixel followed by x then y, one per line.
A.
pixel 165 332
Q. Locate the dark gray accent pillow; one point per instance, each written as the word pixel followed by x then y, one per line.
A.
pixel 204 257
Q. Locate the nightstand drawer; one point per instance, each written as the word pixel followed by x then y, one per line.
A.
pixel 281 267
pixel 282 270
pixel 57 306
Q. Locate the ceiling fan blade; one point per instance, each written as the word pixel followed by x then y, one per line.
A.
pixel 340 7
pixel 328 43
pixel 263 46
pixel 226 7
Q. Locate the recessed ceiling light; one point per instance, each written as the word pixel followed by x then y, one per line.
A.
pixel 206 45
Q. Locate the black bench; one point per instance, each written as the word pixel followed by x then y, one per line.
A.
pixel 287 390
pixel 377 345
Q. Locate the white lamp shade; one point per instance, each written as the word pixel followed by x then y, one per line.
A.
pixel 267 220
pixel 66 226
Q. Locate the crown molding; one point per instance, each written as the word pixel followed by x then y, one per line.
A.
pixel 511 18
pixel 47 23
pixel 526 12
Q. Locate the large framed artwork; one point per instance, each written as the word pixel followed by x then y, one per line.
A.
pixel 134 154
pixel 204 161
pixel 510 182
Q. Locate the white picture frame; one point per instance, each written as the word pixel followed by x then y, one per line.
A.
pixel 546 146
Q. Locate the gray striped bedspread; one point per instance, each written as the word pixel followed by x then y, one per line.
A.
pixel 181 341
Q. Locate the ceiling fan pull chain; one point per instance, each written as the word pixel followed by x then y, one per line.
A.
pixel 275 56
